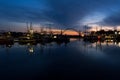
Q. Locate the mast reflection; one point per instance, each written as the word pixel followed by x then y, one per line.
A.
pixel 30 48
pixel 99 45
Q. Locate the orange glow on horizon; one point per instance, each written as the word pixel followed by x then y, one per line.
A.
pixel 106 28
pixel 57 31
pixel 68 32
pixel 71 33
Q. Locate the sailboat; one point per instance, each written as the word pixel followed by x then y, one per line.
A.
pixel 6 38
pixel 28 37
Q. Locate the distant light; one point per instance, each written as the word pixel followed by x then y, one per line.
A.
pixel 28 35
pixel 9 32
pixel 82 35
pixel 112 40
pixel 119 44
pixel 119 33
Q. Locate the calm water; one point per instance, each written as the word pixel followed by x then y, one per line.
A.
pixel 75 60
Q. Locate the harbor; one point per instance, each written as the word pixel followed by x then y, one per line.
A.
pixel 30 36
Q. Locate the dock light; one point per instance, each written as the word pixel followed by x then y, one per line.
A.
pixel 55 37
pixel 115 32
pixel 111 40
pixel 9 33
pixel 119 44
pixel 28 44
pixel 28 37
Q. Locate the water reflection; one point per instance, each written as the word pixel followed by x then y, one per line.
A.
pixel 42 46
pixel 31 60
pixel 30 49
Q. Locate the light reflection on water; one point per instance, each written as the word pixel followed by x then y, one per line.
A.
pixel 59 59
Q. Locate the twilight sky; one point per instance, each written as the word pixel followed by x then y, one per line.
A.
pixel 59 13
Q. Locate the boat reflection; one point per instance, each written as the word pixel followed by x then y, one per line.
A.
pixel 6 45
pixel 33 48
pixel 30 48
pixel 99 45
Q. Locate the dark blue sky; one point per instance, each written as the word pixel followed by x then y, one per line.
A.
pixel 60 13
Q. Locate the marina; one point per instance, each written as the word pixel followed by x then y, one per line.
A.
pixel 59 39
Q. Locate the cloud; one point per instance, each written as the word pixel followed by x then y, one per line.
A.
pixel 66 13
pixel 69 12
pixel 14 12
pixel 112 20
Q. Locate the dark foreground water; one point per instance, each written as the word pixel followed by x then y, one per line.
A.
pixel 76 60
